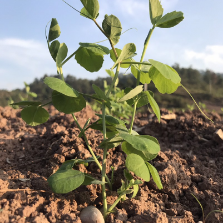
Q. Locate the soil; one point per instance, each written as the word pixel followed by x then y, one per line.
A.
pixel 190 161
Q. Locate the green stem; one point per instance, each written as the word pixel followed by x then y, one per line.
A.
pixel 90 149
pixel 134 62
pixel 114 80
pixel 68 58
pixel 104 163
pixel 133 117
pixel 115 203
pixel 139 72
pixel 46 103
pixel 144 52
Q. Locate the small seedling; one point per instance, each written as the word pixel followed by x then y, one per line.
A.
pixel 26 98
pixel 140 149
pixel 202 209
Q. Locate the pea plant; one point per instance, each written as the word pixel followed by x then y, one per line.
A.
pixel 140 149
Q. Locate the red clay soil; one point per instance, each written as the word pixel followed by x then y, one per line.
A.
pixel 190 161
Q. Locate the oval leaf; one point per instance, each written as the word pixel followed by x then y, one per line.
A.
pixel 164 85
pixel 155 175
pixel 128 51
pixel 112 56
pixel 61 55
pixel 64 181
pixel 142 143
pixel 112 27
pixel 54 47
pixel 98 49
pixel 145 155
pixel 92 6
pixel 137 165
pixel 54 31
pixel 144 77
pixel 155 11
pixel 85 13
pixel 132 93
pixel 88 59
pixel 170 19
pixel 34 115
pixel 167 71
pixel 67 104
pixel 60 86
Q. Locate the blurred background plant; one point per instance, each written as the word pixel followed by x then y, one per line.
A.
pixel 29 94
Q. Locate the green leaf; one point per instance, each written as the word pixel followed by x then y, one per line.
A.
pixel 98 49
pixel 27 87
pixel 137 165
pixel 155 175
pixel 128 51
pixel 145 155
pixel 112 27
pixel 112 120
pixel 135 190
pixel 147 97
pixel 88 59
pixel 110 73
pixel 132 93
pixel 144 77
pixel 54 48
pixel 61 55
pixel 34 115
pixel 67 165
pixel 167 71
pixel 66 104
pixel 85 13
pixel 145 144
pixel 155 11
pixel 111 142
pixel 32 94
pixel 170 19
pixel 99 92
pixel 60 86
pixel 54 31
pixel 88 180
pixel 26 103
pixel 64 181
pixel 163 84
pixel 127 175
pixel 112 56
pixel 92 6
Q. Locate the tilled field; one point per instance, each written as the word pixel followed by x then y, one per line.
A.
pixel 190 161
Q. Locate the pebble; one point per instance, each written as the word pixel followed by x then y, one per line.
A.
pixel 91 214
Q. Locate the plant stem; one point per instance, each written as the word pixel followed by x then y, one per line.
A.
pixel 104 164
pixel 144 52
pixel 46 103
pixel 134 62
pixel 139 73
pixel 90 149
pixel 112 45
pixel 114 80
pixel 68 58
pixel 133 117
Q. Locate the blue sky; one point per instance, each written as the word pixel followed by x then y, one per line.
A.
pixel 197 41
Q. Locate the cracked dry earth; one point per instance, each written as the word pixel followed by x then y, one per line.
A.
pixel 190 161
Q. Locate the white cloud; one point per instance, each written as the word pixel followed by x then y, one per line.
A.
pixel 23 60
pixel 210 57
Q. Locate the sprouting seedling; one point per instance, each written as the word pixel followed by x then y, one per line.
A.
pixel 139 149
pixel 202 209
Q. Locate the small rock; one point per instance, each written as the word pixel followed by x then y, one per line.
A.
pixel 218 136
pixel 169 116
pixel 91 214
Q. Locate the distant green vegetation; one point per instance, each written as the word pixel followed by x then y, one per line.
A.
pixel 205 86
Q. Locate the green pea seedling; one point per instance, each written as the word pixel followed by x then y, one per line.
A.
pixel 140 149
